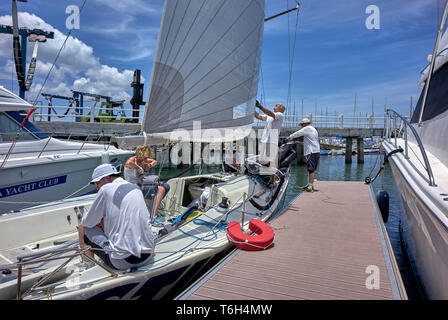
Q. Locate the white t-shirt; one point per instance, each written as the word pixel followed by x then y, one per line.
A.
pixel 131 175
pixel 273 126
pixel 310 139
pixel 126 218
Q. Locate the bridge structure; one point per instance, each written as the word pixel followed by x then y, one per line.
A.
pixel 347 129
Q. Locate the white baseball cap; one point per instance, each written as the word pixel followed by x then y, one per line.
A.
pixel 103 170
pixel 305 120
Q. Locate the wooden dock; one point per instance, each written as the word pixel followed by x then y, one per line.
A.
pixel 329 245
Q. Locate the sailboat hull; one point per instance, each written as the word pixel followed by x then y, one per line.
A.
pixel 178 259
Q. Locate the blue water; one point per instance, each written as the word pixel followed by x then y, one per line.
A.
pixel 334 168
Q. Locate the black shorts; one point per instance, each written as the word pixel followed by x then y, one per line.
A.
pixel 105 255
pixel 312 160
pixel 150 191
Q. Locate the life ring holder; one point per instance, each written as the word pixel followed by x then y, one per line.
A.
pixel 263 239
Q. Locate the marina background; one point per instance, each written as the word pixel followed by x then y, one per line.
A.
pixel 337 60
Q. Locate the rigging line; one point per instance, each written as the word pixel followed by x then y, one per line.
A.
pixel 289 55
pixel 417 157
pixel 12 77
pixel 263 100
pixel 195 44
pixel 293 54
pixel 214 83
pixel 57 56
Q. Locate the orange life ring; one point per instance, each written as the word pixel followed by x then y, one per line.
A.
pixel 263 239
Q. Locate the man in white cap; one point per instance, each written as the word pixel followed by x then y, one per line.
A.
pixel 118 222
pixel 311 148
pixel 271 133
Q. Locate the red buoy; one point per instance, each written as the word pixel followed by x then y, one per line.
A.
pixel 263 239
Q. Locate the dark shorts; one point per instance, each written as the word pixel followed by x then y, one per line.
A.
pixel 150 191
pixel 312 160
pixel 96 238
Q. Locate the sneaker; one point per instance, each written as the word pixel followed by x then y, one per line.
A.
pixel 309 189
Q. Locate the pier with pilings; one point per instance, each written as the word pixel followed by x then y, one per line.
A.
pixel 349 134
pixel 349 128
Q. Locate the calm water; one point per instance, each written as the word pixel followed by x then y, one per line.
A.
pixel 334 168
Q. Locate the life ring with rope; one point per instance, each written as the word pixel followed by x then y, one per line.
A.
pixel 263 239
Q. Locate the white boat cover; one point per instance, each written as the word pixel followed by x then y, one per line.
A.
pixel 11 102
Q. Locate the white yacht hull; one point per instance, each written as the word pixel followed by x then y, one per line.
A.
pixel 423 223
pixel 28 180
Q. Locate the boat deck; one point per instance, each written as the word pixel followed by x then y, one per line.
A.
pixel 329 245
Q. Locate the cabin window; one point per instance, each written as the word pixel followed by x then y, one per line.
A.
pixel 437 100
pixel 9 127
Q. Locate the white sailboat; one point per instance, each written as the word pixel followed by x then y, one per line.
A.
pixel 36 168
pixel 418 155
pixel 206 69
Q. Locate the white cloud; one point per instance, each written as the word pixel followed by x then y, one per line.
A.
pixel 131 6
pixel 76 68
pixel 107 81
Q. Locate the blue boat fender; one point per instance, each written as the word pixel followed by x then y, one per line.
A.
pixel 382 197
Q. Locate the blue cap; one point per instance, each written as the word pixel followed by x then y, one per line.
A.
pixel 103 170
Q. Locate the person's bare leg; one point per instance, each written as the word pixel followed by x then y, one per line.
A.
pixel 274 177
pixel 312 179
pixel 82 244
pixel 160 194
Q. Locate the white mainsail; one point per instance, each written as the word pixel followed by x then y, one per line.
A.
pixel 205 74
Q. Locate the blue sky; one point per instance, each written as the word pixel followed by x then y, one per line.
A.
pixel 335 56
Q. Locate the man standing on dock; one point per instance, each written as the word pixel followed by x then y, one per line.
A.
pixel 311 149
